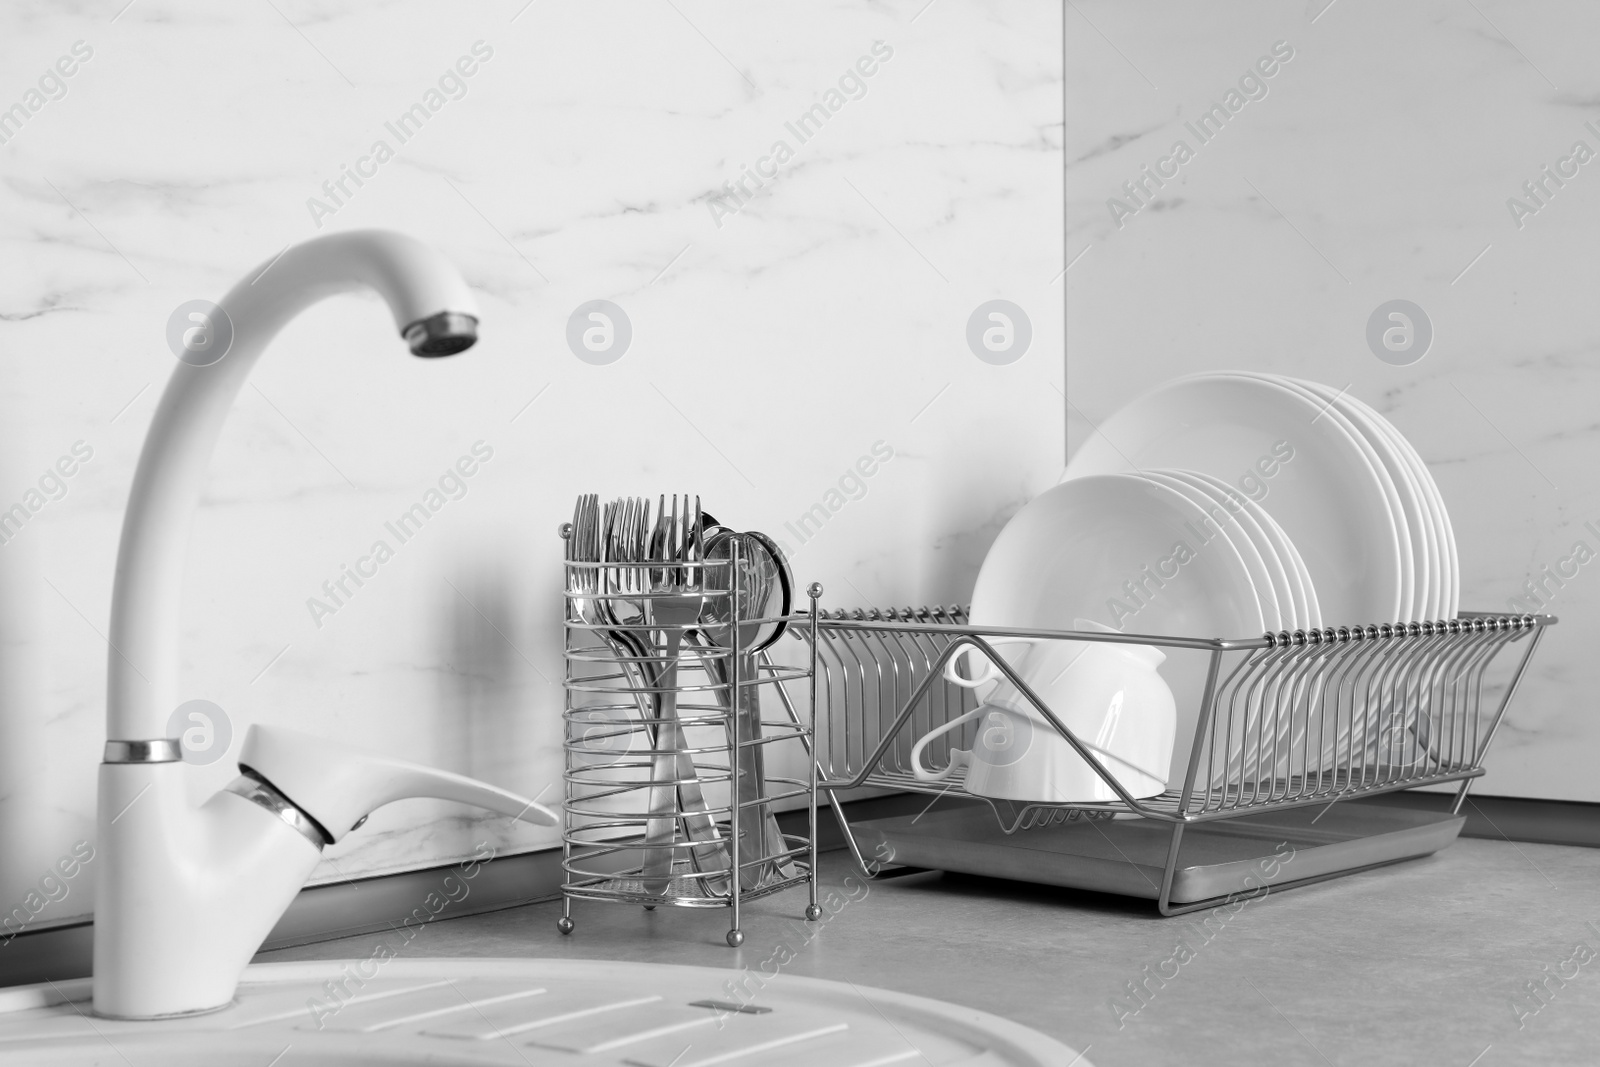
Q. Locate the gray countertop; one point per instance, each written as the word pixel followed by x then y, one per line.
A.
pixel 1424 962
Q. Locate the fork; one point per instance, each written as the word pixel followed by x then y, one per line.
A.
pixel 586 544
pixel 619 535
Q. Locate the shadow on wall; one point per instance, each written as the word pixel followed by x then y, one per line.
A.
pixel 28 827
pixel 484 678
pixel 20 720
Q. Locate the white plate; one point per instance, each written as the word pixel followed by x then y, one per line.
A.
pixel 1249 764
pixel 1327 497
pixel 1285 564
pixel 1433 538
pixel 1297 566
pixel 1386 470
pixel 1420 518
pixel 1448 560
pixel 1068 552
pixel 1120 550
pixel 1234 523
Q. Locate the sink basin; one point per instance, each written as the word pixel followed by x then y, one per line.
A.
pixel 525 1012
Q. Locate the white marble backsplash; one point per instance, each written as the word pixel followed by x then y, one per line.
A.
pixel 791 311
pixel 1382 157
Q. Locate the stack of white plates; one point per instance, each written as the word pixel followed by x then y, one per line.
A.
pixel 1346 488
pixel 1228 505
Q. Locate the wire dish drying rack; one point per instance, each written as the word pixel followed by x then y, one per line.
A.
pixel 661 709
pixel 1288 724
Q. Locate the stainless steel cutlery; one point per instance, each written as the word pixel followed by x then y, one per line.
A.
pixel 657 585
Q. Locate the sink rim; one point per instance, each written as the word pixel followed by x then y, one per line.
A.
pixel 1018 1039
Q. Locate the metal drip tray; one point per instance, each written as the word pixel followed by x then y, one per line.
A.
pixel 1128 856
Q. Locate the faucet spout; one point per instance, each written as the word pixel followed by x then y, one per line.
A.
pixel 433 311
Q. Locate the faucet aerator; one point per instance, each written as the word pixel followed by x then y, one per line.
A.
pixel 443 334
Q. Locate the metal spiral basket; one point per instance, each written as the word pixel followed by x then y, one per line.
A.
pixel 1283 723
pixel 666 743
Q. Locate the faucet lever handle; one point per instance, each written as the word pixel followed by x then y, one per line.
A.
pixel 338 785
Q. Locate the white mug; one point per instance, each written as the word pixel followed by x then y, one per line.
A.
pixel 1109 695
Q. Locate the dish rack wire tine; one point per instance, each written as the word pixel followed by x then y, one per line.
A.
pixel 1282 721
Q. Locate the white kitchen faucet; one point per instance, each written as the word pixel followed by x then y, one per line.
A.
pixel 184 895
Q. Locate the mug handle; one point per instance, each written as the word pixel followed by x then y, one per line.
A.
pixel 959 757
pixel 990 672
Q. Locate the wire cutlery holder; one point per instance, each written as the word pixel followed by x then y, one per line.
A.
pixel 670 718
pixel 1287 724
